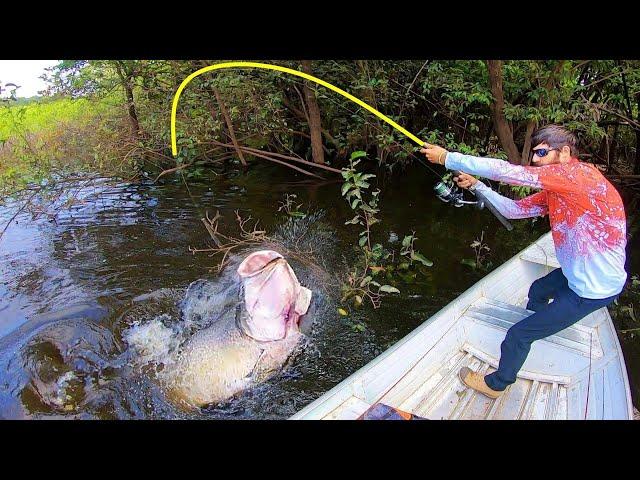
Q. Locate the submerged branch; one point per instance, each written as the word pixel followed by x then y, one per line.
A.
pixel 248 237
pixel 278 155
pixel 19 211
pixel 301 170
pixel 171 170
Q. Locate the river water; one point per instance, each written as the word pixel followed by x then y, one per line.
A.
pixel 74 289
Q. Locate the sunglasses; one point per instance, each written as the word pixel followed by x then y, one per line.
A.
pixel 542 152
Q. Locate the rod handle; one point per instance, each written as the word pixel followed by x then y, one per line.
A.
pixel 489 205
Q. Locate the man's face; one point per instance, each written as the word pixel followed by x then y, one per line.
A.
pixel 554 155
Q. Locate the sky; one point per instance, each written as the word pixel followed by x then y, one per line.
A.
pixel 24 73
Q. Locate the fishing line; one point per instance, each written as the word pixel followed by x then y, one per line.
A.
pixel 373 125
pixel 266 66
pixel 358 114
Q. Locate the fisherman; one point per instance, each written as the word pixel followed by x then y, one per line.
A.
pixel 588 226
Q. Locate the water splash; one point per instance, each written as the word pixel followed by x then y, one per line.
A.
pixel 153 341
pixel 128 247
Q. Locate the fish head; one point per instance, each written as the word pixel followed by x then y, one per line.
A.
pixel 274 300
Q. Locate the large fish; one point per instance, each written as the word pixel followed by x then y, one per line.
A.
pixel 245 344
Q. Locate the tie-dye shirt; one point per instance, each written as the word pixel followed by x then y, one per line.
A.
pixel 586 213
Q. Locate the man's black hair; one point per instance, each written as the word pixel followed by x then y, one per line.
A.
pixel 556 136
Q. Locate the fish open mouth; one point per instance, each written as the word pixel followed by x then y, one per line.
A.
pixel 257 262
pixel 250 324
pixel 274 300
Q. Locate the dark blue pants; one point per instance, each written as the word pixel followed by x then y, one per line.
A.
pixel 549 318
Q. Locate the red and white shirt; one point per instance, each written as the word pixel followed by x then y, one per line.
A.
pixel 586 213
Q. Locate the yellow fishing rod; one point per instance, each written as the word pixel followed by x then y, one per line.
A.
pixel 267 66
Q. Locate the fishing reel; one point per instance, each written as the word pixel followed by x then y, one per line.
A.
pixel 453 194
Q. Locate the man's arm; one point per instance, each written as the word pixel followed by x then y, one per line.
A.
pixel 554 178
pixel 532 206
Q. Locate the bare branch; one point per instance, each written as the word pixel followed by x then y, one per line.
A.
pixel 171 170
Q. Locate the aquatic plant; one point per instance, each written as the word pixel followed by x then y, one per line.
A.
pixel 359 283
pixel 625 310
pixel 481 250
pixel 411 254
pixel 373 259
pixel 289 206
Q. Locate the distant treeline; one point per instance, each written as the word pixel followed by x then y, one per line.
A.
pixel 474 106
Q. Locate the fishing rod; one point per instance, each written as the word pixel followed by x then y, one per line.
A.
pixel 446 193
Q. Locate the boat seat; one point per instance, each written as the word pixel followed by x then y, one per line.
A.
pixel 502 316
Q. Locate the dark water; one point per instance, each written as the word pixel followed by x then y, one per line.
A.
pixel 70 289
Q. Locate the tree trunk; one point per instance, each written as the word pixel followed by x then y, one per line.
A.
pixel 370 98
pixel 301 115
pixel 133 116
pixel 532 123
pixel 611 158
pixel 601 153
pixel 500 123
pixel 527 142
pixel 125 81
pixel 315 124
pixel 636 168
pixel 227 120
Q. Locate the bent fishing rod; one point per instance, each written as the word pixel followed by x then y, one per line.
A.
pixel 447 193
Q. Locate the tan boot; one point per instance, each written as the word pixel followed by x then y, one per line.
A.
pixel 476 381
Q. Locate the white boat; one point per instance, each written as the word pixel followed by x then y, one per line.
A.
pixel 579 373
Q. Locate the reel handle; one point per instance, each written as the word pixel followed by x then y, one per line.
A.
pixel 482 198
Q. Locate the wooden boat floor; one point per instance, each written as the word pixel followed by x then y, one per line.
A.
pixel 440 394
pixel 444 396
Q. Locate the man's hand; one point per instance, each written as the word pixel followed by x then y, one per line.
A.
pixel 434 153
pixel 464 180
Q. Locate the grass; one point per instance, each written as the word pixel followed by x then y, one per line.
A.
pixel 43 114
pixel 47 135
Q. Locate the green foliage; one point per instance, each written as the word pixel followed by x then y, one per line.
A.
pixel 355 184
pixel 55 135
pixel 411 254
pixel 625 310
pixel 40 115
pixel 360 283
pixel 521 191
pixel 442 101
pixel 481 250
pixel 289 207
pixel 374 260
pixel 356 325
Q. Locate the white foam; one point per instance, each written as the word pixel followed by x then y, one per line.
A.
pixel 153 341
